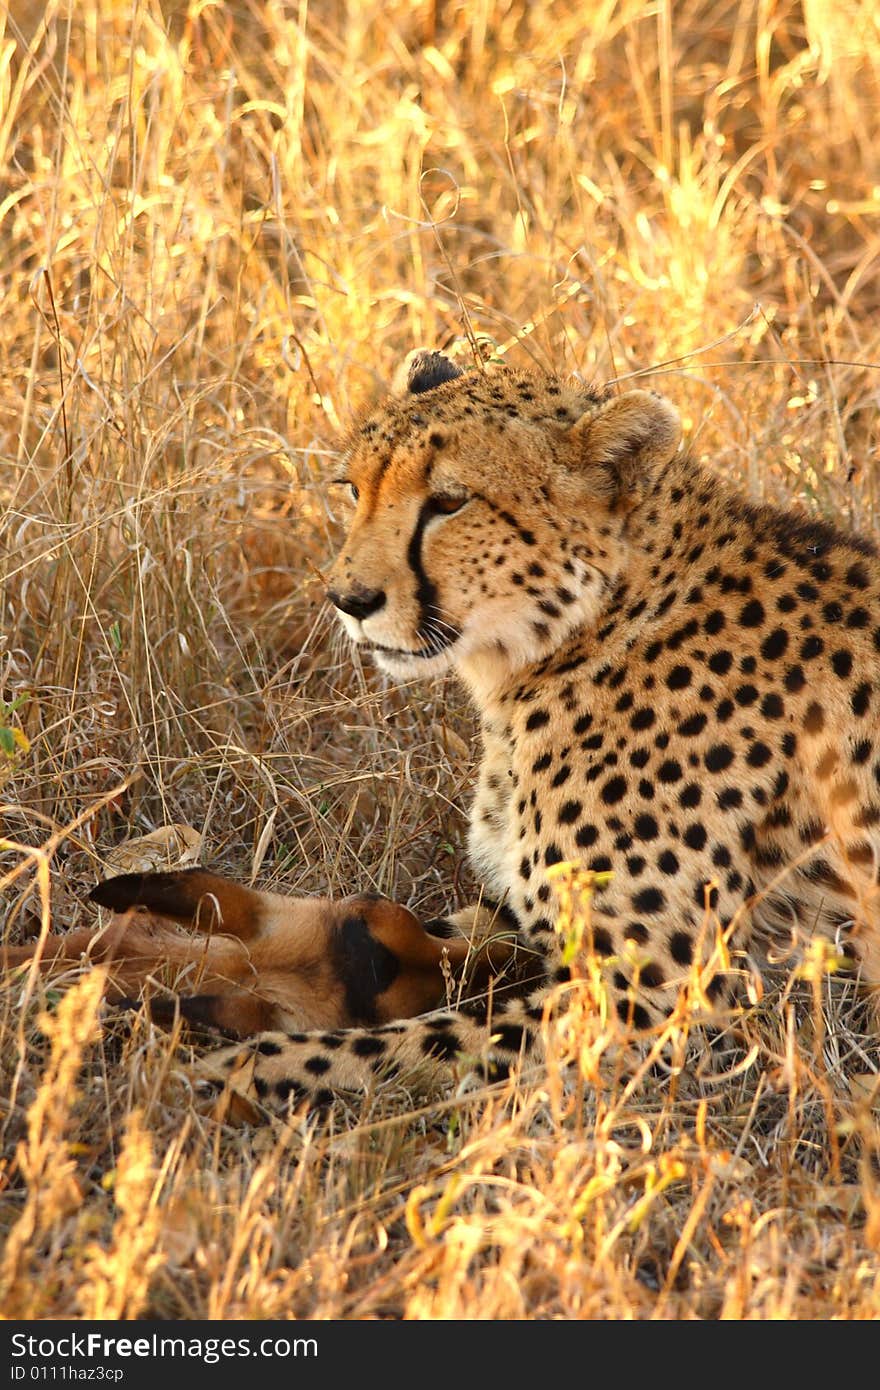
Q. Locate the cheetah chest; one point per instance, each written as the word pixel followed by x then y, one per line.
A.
pixel 492 823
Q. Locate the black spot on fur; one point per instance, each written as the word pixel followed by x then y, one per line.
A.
pixel 633 1014
pixel 443 1046
pixel 439 927
pixel 317 1065
pixel 289 1090
pixel 681 948
pixel 365 967
pixel 509 1036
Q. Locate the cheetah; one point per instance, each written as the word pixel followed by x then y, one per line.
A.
pixel 675 689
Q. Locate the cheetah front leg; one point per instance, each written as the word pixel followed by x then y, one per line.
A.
pixel 281 1069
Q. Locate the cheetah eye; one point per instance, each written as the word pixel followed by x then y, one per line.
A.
pixel 444 504
pixel 346 482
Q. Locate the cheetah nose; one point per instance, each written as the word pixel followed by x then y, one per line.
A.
pixel 359 602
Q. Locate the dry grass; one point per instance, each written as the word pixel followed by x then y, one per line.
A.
pixel 220 227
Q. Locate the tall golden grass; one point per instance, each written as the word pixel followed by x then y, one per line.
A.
pixel 221 225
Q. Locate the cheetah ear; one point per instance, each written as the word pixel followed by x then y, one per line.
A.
pixel 422 370
pixel 630 438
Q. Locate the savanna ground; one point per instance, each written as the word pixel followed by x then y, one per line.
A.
pixel 221 225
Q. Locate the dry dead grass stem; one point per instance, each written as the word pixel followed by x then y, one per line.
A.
pixel 220 226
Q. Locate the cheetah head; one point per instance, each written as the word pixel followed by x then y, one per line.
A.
pixel 490 515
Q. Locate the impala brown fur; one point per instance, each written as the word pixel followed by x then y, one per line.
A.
pixel 249 961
